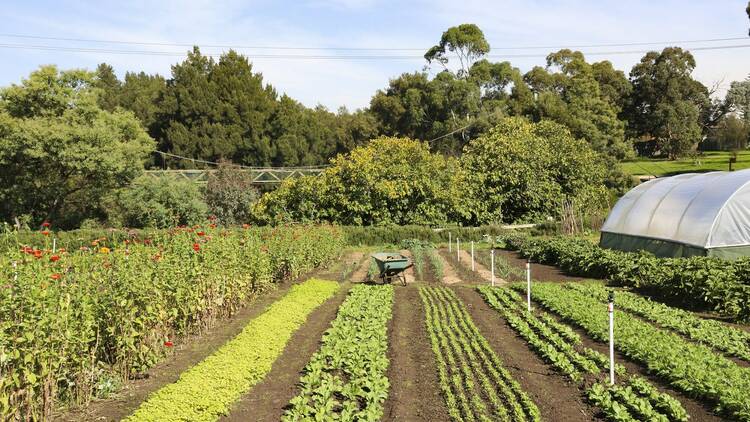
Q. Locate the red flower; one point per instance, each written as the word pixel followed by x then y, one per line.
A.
pixel 245 226
pixel 45 232
pixel 168 343
pixel 27 249
pixel 54 258
pixel 55 276
pixel 212 225
pixel 212 217
pixel 196 247
pixel 46 224
pixel 37 253
pixel 146 241
pixel 201 233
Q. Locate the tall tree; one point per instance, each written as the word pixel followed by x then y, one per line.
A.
pixel 571 92
pixel 466 41
pixel 217 110
pixel 738 98
pixel 141 93
pixel 52 123
pixel 110 87
pixel 667 103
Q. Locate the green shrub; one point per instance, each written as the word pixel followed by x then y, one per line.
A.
pixel 230 194
pixel 157 202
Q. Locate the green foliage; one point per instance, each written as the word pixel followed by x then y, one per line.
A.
pixel 230 194
pixel 207 390
pixel 733 341
pixel 466 41
pixel 523 171
pixel 667 103
pixel 394 235
pixel 74 319
pixel 730 134
pixel 79 153
pixel 697 281
pixel 574 97
pixel 705 375
pixel 156 202
pixel 346 379
pixel 388 181
pixel 559 345
pixel 473 379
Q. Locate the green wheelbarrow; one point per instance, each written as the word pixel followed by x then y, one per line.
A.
pixel 391 266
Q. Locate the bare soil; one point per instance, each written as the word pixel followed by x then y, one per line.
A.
pixel 539 272
pixel 187 353
pixel 557 398
pixel 415 389
pixel 450 276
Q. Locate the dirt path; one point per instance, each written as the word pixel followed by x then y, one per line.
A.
pixel 557 399
pixel 449 273
pixel 360 274
pixel 187 353
pixel 480 269
pixel 539 272
pixel 415 390
pixel 268 399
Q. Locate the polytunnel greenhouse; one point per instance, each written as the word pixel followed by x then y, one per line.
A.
pixel 686 215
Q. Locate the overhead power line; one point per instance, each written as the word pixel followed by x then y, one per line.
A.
pixel 214 163
pixel 331 57
pixel 499 46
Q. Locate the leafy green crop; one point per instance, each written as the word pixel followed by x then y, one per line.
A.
pixel 346 379
pixel 692 368
pixel 557 344
pixel 731 340
pixel 695 281
pixel 207 390
pixel 473 379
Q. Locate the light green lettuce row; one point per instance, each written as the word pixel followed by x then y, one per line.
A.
pixel 207 390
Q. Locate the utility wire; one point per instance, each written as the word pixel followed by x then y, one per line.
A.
pixel 262 47
pixel 330 57
pixel 196 160
pixel 448 134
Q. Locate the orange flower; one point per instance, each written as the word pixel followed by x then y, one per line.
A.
pixel 196 247
pixel 55 276
pixel 201 233
pixel 54 258
pixel 45 232
pixel 37 253
pixel 46 224
pixel 245 226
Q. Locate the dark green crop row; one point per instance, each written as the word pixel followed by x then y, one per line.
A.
pixel 717 334
pixel 346 379
pixel 473 379
pixel 698 281
pixel 692 368
pixel 639 400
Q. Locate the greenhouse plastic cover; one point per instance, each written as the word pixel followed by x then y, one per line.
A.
pixel 709 210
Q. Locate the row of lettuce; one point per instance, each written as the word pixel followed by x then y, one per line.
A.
pixel 75 322
pixel 693 368
pixel 701 282
pixel 632 399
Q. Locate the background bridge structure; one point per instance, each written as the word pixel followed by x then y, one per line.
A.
pixel 260 175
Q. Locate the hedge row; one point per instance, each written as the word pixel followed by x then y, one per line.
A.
pixel 393 235
pixel 698 282
pixel 73 323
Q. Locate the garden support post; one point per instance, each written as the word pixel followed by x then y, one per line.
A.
pixel 450 242
pixel 492 264
pixel 458 249
pixel 528 286
pixel 611 310
pixel 472 255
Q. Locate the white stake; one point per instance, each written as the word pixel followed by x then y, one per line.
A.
pixel 458 249
pixel 528 286
pixel 450 242
pixel 15 272
pixel 611 309
pixel 54 245
pixel 492 265
pixel 472 255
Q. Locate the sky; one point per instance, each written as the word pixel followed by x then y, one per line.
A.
pixel 320 27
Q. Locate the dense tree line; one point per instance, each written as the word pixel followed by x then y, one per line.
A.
pixel 222 109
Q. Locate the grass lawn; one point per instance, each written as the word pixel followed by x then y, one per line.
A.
pixel 709 161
